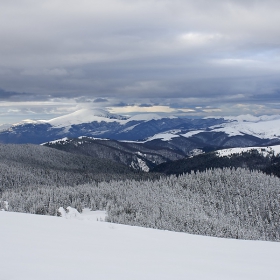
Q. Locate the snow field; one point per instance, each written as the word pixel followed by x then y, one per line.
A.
pixel 44 247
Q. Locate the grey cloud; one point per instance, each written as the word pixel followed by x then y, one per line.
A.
pixel 201 51
pixel 82 99
pixel 100 100
pixel 120 104
pixel 146 105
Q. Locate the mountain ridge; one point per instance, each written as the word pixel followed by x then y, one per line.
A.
pixel 204 133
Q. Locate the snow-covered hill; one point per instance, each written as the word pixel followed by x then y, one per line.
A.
pixel 266 151
pixel 264 127
pixel 43 247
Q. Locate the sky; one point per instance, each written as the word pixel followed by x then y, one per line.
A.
pixel 183 57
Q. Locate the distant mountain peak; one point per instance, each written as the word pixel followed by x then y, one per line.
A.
pixel 85 116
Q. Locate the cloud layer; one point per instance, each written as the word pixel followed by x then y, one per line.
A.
pixel 183 54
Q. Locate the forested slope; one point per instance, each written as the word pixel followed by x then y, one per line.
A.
pixel 252 160
pixel 128 153
pixel 26 165
pixel 228 203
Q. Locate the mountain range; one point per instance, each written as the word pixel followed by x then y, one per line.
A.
pixel 146 140
pixel 101 124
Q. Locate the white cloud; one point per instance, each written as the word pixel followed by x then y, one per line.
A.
pixel 199 39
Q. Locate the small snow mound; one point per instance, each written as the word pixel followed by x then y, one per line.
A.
pixel 69 213
pixel 86 215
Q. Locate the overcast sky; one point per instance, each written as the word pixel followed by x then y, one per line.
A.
pixel 192 57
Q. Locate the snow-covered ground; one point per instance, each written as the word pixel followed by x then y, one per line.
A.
pixel 262 128
pixel 269 150
pixel 41 247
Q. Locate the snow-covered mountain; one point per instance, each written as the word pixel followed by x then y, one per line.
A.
pixel 86 116
pixel 241 131
pixel 264 127
pixel 214 133
pixel 44 247
pixel 98 123
pixel 83 116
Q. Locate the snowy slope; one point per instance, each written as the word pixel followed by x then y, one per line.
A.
pixel 261 129
pixel 42 247
pixel 163 136
pixel 269 150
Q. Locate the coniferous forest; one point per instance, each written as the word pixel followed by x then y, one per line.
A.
pixel 232 203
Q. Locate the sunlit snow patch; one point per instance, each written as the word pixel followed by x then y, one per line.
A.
pixel 191 133
pixel 163 137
